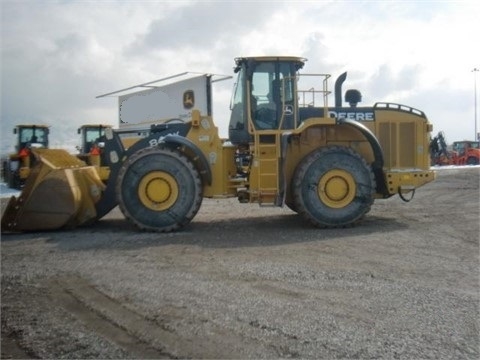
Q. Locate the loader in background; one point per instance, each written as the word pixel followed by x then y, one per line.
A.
pixel 16 167
pixel 461 152
pixel 466 152
pixel 91 150
pixel 286 146
pixel 91 138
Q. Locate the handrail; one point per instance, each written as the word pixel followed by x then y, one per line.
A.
pixel 300 95
pixel 324 92
pixel 399 107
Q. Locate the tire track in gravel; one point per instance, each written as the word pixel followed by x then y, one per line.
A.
pixel 11 348
pixel 64 292
pixel 141 337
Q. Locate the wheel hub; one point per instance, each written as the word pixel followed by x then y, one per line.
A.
pixel 158 190
pixel 337 188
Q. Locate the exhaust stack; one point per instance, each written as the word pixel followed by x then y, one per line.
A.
pixel 338 89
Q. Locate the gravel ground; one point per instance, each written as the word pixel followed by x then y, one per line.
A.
pixel 244 281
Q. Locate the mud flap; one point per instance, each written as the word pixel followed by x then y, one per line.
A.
pixel 60 192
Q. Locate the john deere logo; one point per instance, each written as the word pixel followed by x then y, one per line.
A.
pixel 188 99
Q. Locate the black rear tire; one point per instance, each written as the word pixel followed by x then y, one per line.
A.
pixel 159 190
pixel 12 178
pixel 472 161
pixel 333 187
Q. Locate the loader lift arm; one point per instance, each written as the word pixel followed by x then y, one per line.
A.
pixel 115 154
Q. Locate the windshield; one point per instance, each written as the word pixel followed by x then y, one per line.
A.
pixel 93 135
pixel 33 136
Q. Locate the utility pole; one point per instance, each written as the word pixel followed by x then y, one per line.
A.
pixel 475 70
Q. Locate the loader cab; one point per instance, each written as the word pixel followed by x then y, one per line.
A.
pixel 264 97
pixel 91 136
pixel 31 136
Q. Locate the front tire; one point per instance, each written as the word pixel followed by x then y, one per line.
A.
pixel 159 190
pixel 333 187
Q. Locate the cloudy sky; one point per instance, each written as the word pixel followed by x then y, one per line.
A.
pixel 57 56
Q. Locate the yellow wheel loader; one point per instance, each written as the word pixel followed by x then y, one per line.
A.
pixel 286 146
pixel 16 167
pixel 92 147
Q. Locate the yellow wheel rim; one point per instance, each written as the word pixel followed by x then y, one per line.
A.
pixel 158 190
pixel 337 188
